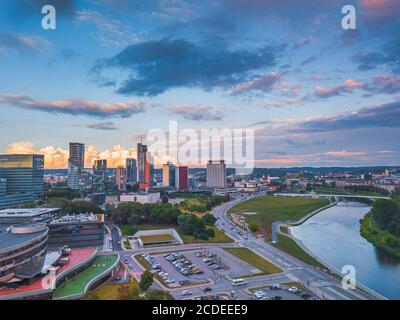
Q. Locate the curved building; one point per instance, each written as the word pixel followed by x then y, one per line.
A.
pixel 22 252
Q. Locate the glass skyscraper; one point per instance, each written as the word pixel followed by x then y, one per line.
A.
pixel 21 179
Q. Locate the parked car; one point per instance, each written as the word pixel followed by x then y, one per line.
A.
pixel 186 293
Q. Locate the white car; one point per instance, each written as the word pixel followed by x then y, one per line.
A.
pixel 186 293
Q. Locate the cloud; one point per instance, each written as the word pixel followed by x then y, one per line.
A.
pixel 380 116
pixel 109 31
pixel 265 83
pixel 106 125
pixel 196 112
pixel 347 87
pixel 388 57
pixel 57 157
pixel 24 44
pixel 157 66
pixel 75 106
pixel 378 12
pixel 382 83
pixel 344 153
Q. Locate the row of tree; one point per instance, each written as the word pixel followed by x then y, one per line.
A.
pixel 387 214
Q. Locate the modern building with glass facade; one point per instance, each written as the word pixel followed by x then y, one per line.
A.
pixel 83 230
pixel 100 175
pixel 143 169
pixel 169 175
pixel 216 174
pixel 22 252
pixel 76 162
pixel 21 179
pixel 131 171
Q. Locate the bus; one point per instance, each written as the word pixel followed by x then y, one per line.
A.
pixel 238 282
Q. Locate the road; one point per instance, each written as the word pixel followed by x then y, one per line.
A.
pixel 327 284
pixel 294 269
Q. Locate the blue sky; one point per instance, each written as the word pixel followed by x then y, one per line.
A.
pixel 315 94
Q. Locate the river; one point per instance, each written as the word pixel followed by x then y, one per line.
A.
pixel 333 235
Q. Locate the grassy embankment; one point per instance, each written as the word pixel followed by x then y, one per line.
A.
pixel 255 260
pixel 110 291
pixel 370 230
pixel 270 208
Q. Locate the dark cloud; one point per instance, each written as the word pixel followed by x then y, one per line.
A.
pixel 23 9
pixel 157 66
pixel 74 106
pixel 381 116
pixel 24 44
pixel 388 57
pixel 106 125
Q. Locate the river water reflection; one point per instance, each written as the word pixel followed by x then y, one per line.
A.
pixel 333 235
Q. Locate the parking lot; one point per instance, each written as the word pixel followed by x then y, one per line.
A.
pixel 281 292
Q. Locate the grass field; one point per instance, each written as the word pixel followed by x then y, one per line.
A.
pixel 254 259
pixel 275 208
pixel 77 284
pixel 220 237
pixel 110 291
pixel 289 246
pixel 156 238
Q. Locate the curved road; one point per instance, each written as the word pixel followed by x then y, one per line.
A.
pixel 306 274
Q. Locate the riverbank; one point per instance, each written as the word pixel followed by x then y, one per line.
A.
pixel 380 238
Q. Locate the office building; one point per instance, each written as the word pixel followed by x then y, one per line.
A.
pixel 169 175
pixel 22 252
pixel 141 197
pixel 21 179
pixel 100 175
pixel 131 171
pixel 143 166
pixel 120 178
pixel 80 230
pixel 181 178
pixel 23 173
pixel 216 174
pixel 76 163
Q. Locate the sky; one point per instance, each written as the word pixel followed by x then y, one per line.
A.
pixel 314 93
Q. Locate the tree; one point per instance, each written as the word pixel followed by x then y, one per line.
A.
pixel 209 219
pixel 164 199
pixel 146 280
pixel 384 211
pixel 158 295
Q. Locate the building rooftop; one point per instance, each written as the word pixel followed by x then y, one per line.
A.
pixel 26 212
pixel 82 217
pixel 15 235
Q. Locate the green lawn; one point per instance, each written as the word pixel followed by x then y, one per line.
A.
pixel 289 246
pixel 77 284
pixel 110 291
pixel 326 190
pixel 276 208
pixel 254 259
pixel 220 237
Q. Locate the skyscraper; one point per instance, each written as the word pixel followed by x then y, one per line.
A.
pixel 181 178
pixel 131 171
pixel 23 172
pixel 120 178
pixel 143 168
pixel 76 162
pixel 216 174
pixel 100 175
pixel 21 179
pixel 169 175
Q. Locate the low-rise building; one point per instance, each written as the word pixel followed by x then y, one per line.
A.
pixel 141 197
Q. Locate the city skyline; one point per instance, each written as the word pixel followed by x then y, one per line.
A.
pixel 315 94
